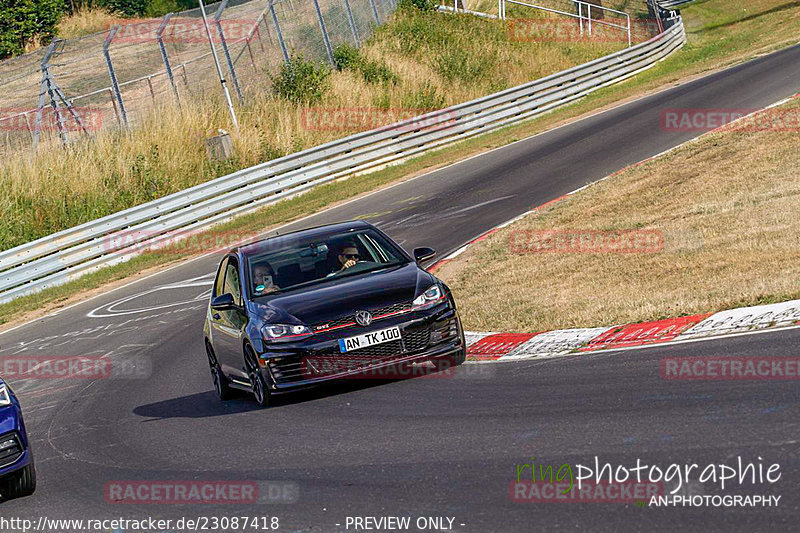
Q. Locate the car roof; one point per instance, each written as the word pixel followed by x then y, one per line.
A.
pixel 254 247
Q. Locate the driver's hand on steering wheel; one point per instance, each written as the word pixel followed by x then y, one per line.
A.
pixel 348 257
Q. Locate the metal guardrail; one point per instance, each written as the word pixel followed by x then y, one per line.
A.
pixel 69 254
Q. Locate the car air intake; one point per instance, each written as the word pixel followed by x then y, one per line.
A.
pixel 10 449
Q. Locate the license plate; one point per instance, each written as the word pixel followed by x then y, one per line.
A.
pixel 369 339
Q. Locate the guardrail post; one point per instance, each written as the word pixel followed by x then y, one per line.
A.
pixel 629 29
pixel 589 8
pixel 279 32
pixel 114 85
pixel 224 43
pixel 351 21
pixel 375 12
pixel 221 76
pixel 165 56
pixel 325 39
pixel 43 91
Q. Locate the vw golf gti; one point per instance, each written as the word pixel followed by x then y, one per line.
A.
pixel 325 303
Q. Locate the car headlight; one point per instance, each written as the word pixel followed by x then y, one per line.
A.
pixel 5 397
pixel 429 298
pixel 284 331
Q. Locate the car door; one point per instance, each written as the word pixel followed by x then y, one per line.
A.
pixel 229 324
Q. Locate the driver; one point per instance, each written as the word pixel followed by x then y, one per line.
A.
pixel 263 279
pixel 348 257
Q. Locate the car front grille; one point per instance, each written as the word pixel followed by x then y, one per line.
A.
pixel 376 314
pixel 10 449
pixel 296 368
pixel 416 339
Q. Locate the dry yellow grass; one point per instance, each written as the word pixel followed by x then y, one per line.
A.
pixel 164 153
pixel 85 21
pixel 727 209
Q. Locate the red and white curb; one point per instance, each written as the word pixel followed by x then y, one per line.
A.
pixel 490 346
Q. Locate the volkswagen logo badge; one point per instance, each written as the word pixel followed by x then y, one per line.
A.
pixel 363 318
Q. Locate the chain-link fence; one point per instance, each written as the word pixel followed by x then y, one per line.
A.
pixel 117 77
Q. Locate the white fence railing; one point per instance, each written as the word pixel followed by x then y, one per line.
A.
pixel 71 253
pixel 584 14
pixel 670 4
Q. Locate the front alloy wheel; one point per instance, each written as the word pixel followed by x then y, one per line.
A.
pixel 257 383
pixel 221 387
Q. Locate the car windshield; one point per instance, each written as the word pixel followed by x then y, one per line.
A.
pixel 284 263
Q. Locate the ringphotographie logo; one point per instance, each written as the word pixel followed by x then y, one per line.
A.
pixel 727 368
pixel 644 483
pixel 181 30
pixel 726 119
pixel 571 30
pixel 369 118
pixel 76 118
pixel 569 241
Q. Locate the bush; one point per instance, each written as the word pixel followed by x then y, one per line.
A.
pixel 422 5
pixel 301 81
pixel 346 57
pixel 159 8
pixel 375 72
pixel 426 97
pixel 24 21
pixel 129 8
pixel 459 64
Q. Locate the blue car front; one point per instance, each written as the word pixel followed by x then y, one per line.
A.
pixel 15 453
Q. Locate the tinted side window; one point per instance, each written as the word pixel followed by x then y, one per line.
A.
pixel 232 285
pixel 218 281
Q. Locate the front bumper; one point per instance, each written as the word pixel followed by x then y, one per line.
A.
pixel 426 334
pixel 16 454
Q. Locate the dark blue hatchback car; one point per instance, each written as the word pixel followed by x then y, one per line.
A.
pixel 17 473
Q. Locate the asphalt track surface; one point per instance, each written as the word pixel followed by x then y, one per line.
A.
pixel 420 447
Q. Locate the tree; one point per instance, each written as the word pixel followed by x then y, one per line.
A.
pixel 129 8
pixel 24 21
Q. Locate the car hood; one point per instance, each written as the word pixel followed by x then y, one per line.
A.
pixel 336 298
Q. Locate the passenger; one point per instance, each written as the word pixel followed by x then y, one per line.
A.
pixel 263 279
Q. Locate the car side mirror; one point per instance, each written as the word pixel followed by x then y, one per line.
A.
pixel 223 302
pixel 423 254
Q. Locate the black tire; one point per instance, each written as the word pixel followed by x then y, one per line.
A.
pixel 257 383
pixel 450 361
pixel 20 483
pixel 221 388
